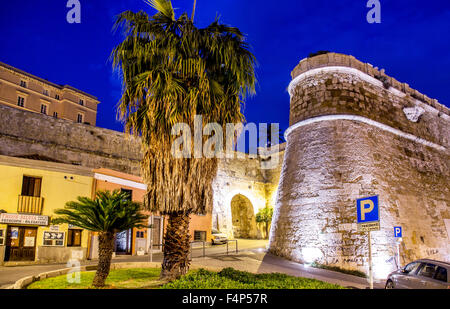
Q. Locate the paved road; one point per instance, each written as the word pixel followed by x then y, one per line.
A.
pixel 10 274
pixel 252 257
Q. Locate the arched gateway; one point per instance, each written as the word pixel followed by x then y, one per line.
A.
pixel 243 217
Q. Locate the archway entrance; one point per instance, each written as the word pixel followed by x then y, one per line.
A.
pixel 243 217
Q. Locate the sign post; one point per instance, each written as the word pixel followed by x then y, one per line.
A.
pixel 368 219
pixel 151 238
pixel 370 261
pixel 398 235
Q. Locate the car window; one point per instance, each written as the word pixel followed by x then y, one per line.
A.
pixel 427 270
pixel 410 267
pixel 441 274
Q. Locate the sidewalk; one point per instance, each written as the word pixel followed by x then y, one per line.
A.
pixel 258 261
pixel 250 259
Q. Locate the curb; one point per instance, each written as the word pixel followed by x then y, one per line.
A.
pixel 24 282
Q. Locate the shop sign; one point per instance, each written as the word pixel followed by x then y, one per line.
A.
pixel 8 218
pixel 29 241
pixel 14 232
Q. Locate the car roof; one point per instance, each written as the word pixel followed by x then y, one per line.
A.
pixel 440 263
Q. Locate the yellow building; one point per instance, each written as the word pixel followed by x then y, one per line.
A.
pixel 30 191
pixel 25 91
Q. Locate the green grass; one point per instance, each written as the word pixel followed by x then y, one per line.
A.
pixel 135 278
pixel 341 270
pixel 148 278
pixel 230 278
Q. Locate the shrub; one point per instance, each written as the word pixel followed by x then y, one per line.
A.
pixel 230 278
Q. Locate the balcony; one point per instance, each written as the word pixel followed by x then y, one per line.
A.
pixel 30 204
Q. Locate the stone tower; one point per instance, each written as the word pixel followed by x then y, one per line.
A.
pixel 356 132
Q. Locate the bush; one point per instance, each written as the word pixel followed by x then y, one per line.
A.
pixel 230 278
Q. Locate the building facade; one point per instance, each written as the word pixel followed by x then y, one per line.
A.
pixel 30 192
pixel 25 91
pixel 32 188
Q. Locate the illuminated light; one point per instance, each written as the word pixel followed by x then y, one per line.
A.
pixel 310 255
pixel 381 269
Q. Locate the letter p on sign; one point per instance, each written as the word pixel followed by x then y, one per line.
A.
pixel 367 209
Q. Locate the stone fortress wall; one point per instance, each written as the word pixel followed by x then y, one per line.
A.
pixel 32 135
pixel 356 132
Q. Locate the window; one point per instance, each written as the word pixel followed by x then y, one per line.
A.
pixel 31 186
pixel 53 239
pixel 23 83
pixel 20 101
pixel 441 274
pixel 44 109
pixel 411 267
pixel 80 118
pixel 199 235
pixel 139 234
pixel 45 92
pixel 130 193
pixel 2 237
pixel 427 270
pixel 81 102
pixel 57 96
pixel 55 114
pixel 74 238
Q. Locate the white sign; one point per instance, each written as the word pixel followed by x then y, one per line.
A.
pixel 29 241
pixel 367 227
pixel 23 219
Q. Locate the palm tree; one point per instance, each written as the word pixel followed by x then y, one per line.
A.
pixel 173 71
pixel 108 213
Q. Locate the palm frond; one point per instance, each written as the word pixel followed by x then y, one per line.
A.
pixel 107 212
pixel 162 6
pixel 173 71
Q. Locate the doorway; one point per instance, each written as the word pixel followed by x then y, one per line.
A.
pixel 123 242
pixel 20 243
pixel 243 217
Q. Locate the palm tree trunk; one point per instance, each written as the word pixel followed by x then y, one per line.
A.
pixel 176 246
pixel 193 10
pixel 105 245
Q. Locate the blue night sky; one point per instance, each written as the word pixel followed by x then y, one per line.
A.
pixel 411 43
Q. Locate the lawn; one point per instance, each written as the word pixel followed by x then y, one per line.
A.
pixel 132 278
pixel 148 278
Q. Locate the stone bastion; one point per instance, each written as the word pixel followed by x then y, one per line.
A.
pixel 356 132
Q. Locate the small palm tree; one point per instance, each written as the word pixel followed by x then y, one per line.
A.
pixel 108 213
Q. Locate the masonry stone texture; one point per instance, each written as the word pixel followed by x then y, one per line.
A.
pixel 330 162
pixel 354 132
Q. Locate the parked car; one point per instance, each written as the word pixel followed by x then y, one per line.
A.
pixel 218 238
pixel 420 274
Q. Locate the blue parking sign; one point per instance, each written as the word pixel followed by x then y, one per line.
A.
pixel 397 231
pixel 367 209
